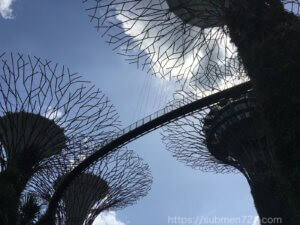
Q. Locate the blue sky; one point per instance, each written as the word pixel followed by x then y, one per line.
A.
pixel 60 31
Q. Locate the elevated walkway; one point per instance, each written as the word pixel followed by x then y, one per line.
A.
pixel 142 127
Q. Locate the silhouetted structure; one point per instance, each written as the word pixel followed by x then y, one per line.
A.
pixel 174 38
pixel 116 181
pixel 229 136
pixel 149 33
pixel 44 110
pixel 272 65
pixel 197 38
pixel 135 130
pixel 203 14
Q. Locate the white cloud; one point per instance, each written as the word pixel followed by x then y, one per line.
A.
pixel 5 9
pixel 107 218
pixel 292 6
pixel 256 221
pixel 53 113
pixel 164 57
pixel 182 54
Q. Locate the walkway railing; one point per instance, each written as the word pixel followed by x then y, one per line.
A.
pixel 177 105
pixel 145 120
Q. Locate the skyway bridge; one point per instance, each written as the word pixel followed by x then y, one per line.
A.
pixel 142 127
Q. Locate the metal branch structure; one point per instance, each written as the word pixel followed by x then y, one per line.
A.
pixel 185 40
pixel 44 110
pixel 36 92
pixel 194 39
pixel 130 133
pixel 116 181
pixel 149 33
pixel 230 136
pixel 209 43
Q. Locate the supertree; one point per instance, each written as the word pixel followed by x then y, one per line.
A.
pixel 116 181
pixel 226 137
pixel 181 36
pixel 174 38
pixel 44 110
pixel 148 33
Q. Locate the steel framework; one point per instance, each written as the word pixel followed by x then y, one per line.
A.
pixel 150 34
pixel 117 180
pixel 185 40
pixel 194 41
pixel 136 130
pixel 45 110
pixel 230 136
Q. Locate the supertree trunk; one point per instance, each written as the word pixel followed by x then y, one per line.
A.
pixel 267 38
pixel 270 206
pixel 10 197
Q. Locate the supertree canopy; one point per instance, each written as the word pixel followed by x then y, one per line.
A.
pixel 45 109
pixel 229 136
pixel 84 193
pixel 24 134
pixel 187 40
pixel 149 33
pixel 208 139
pixel 43 106
pixel 116 181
